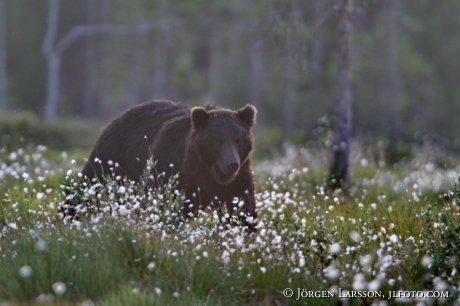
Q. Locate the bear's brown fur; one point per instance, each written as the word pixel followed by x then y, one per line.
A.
pixel 208 146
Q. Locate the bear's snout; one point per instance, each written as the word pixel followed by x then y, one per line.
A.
pixel 230 160
pixel 229 166
pixel 233 166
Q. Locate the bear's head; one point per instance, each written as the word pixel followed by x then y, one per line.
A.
pixel 222 139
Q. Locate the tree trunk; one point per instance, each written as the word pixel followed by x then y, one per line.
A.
pixel 53 62
pixel 316 59
pixel 215 50
pixel 138 62
pixel 3 49
pixel 101 86
pixel 160 75
pixel 395 79
pixel 290 102
pixel 340 175
pixel 52 93
pixel 161 48
pixel 291 75
pixel 54 54
pixel 257 72
pixel 89 99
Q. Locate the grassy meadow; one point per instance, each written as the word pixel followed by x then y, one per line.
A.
pixel 397 230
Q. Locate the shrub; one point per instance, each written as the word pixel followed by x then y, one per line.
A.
pixel 25 129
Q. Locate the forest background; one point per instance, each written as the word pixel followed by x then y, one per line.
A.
pixel 91 60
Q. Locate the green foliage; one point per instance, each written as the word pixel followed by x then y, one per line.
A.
pixel 391 232
pixel 448 257
pixel 265 141
pixel 403 153
pixel 89 263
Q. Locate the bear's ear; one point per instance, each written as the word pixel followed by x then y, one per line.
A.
pixel 200 117
pixel 247 114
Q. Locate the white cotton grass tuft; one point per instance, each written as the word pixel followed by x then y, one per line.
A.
pixel 331 271
pixel 427 261
pixel 41 245
pixel 394 238
pixel 151 266
pixel 25 271
pixel 59 288
pixel 87 302
pixel 440 284
pixel 13 225
pixel 359 282
pixel 45 298
pixel 355 236
pixel 374 285
pixel 334 248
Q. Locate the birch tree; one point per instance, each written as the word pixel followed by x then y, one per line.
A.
pixel 53 61
pixel 89 108
pixel 316 61
pixel 53 51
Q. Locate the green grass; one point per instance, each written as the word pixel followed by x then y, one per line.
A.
pixel 395 230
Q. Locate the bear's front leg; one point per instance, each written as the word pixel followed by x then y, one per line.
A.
pixel 198 199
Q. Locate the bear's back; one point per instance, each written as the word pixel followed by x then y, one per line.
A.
pixel 148 118
pixel 126 140
pixel 162 128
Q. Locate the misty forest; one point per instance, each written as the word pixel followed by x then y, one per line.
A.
pixel 356 156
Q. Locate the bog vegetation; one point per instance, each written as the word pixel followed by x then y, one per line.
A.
pixel 397 229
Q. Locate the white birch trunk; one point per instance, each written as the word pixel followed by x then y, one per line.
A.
pixel 53 62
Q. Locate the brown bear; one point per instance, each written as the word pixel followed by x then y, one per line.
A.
pixel 209 147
